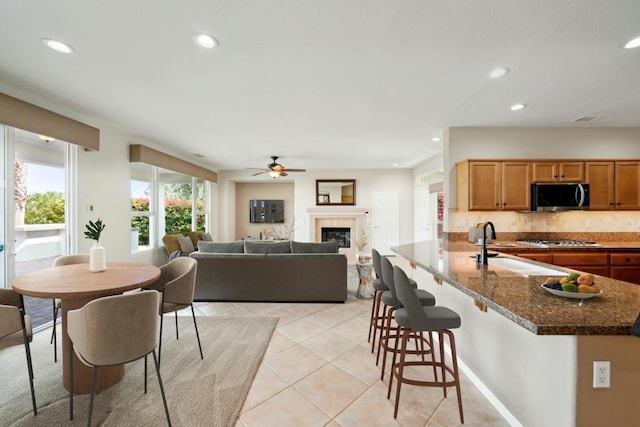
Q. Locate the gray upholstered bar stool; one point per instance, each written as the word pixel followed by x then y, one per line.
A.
pixel 377 319
pixel 390 305
pixel 413 319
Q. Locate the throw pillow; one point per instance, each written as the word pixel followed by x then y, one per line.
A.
pixel 195 237
pixel 314 248
pixel 266 247
pixel 171 243
pixel 206 237
pixel 186 245
pixel 221 247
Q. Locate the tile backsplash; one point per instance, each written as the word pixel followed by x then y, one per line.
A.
pixel 572 221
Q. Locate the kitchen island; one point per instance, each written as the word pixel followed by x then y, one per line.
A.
pixel 532 350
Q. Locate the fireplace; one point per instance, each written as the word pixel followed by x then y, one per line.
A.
pixel 342 235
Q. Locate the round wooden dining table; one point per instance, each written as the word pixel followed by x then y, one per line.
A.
pixel 76 285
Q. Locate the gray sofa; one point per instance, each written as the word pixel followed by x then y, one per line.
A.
pixel 270 272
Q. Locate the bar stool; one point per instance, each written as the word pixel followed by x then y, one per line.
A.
pixel 414 318
pixel 377 320
pixel 390 305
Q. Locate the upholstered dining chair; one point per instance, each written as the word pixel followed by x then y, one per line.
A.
pixel 414 318
pixel 15 329
pixel 176 283
pixel 390 304
pixel 115 330
pixel 57 302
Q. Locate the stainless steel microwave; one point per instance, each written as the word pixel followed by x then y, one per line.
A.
pixel 559 196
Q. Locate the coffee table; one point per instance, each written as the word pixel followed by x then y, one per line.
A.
pixel 76 286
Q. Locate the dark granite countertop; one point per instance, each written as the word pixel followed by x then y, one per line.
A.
pixel 521 298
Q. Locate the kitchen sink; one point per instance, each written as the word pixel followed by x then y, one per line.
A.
pixel 524 268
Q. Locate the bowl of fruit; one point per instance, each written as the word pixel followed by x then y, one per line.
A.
pixel 575 285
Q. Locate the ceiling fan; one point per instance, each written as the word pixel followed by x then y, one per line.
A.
pixel 275 169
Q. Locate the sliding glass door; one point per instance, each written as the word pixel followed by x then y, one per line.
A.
pixel 3 206
pixel 35 210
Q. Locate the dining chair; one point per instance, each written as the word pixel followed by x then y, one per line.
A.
pixel 115 330
pixel 57 302
pixel 15 329
pixel 414 318
pixel 176 283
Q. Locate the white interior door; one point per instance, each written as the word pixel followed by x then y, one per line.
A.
pixel 385 215
pixel 421 214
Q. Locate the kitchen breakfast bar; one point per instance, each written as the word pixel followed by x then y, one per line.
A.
pixel 533 351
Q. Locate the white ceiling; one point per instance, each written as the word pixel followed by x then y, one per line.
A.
pixel 325 84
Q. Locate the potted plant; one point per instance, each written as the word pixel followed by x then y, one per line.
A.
pixel 97 257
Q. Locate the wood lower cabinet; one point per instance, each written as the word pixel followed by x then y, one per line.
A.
pixel 589 262
pixel 536 256
pixel 616 265
pixel 625 266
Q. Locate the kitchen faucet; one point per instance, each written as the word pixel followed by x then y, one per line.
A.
pixel 482 257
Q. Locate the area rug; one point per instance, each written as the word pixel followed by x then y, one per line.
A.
pixel 207 392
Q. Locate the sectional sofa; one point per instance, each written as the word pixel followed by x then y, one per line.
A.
pixel 265 271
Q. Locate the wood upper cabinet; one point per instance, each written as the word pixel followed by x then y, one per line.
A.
pixel 505 185
pixel 516 186
pixel 627 185
pixel 600 177
pixel 564 171
pixel 493 185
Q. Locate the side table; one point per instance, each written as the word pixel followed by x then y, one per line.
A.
pixel 365 290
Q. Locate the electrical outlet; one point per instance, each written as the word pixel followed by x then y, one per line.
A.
pixel 601 374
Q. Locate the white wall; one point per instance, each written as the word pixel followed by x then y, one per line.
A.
pixel 305 188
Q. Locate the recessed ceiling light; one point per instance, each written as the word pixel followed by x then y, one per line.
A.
pixel 58 46
pixel 436 139
pixel 498 72
pixel 205 40
pixel 395 165
pixel 633 43
pixel 517 107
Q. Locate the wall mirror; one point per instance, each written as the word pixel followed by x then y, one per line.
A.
pixel 335 192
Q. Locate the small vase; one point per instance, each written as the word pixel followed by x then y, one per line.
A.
pixel 97 258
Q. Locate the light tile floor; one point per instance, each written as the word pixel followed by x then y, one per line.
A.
pixel 318 370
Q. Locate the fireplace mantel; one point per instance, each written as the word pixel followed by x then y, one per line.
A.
pixel 331 216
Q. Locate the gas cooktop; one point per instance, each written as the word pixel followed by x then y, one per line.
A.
pixel 555 243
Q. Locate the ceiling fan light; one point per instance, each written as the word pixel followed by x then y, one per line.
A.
pixel 274 174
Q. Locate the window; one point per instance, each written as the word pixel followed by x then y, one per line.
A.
pixel 142 214
pixel 171 205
